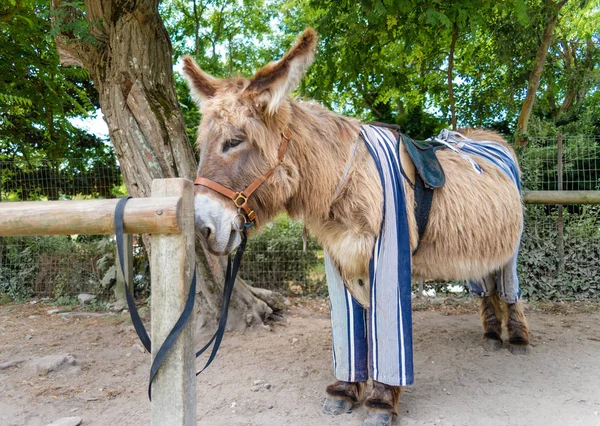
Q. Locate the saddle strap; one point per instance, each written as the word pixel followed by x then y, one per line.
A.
pixel 423 201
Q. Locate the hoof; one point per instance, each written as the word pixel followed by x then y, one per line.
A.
pixel 378 419
pixel 492 345
pixel 519 349
pixel 335 407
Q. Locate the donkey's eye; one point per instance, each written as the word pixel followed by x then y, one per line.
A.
pixel 231 143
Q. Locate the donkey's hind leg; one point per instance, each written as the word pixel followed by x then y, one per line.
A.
pixel 342 396
pixel 507 285
pixel 382 404
pixel 518 332
pixel 491 312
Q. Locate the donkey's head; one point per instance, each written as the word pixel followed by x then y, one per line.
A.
pixel 244 123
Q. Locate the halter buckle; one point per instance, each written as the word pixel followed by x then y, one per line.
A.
pixel 239 196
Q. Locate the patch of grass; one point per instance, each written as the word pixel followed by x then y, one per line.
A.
pixel 95 306
pixel 65 301
pixel 5 299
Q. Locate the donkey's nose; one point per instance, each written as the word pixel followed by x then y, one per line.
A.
pixel 207 230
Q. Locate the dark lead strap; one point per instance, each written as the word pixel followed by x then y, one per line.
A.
pixel 135 317
pixel 230 275
pixel 138 325
pixel 174 334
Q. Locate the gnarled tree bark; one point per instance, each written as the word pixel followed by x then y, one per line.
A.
pixel 130 62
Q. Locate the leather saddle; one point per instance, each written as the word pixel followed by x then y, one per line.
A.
pixel 428 177
pixel 426 162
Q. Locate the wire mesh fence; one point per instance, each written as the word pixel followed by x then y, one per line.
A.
pixel 56 266
pixel 560 248
pixel 559 257
pixel 579 160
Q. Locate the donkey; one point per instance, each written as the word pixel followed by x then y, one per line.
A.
pixel 475 222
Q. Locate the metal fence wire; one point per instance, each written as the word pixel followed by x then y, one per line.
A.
pixel 559 256
pixel 55 266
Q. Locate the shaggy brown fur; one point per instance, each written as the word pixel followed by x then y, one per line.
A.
pixel 384 398
pixel 518 332
pixel 492 314
pixel 346 390
pixel 475 221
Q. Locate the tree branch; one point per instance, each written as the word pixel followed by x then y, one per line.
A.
pixel 72 50
pixel 7 15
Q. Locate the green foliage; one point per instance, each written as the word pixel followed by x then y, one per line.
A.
pixel 225 37
pixel 275 259
pixel 538 269
pixel 57 266
pixel 66 301
pixel 39 99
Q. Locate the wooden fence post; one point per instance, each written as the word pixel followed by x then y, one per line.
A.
pixel 559 220
pixel 172 265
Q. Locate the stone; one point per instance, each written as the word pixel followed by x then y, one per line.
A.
pixel 67 421
pixel 118 306
pixel 8 364
pixel 53 363
pixel 28 337
pixel 53 311
pixel 267 386
pixel 86 298
pixel 254 388
pixel 269 406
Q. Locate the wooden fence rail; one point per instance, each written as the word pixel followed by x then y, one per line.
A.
pixel 160 215
pixel 561 197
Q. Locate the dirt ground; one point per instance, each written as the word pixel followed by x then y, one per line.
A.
pixel 457 382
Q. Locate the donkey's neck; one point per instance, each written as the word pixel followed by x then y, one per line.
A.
pixel 320 149
pixel 346 226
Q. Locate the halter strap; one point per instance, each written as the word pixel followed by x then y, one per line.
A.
pixel 240 199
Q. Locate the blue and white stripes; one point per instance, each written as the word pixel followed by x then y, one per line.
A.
pixel 377 342
pixel 493 152
pixel 504 281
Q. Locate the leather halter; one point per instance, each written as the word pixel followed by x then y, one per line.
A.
pixel 240 199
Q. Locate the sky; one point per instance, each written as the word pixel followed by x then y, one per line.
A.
pixel 94 124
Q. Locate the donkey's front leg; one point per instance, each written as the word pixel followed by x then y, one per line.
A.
pixel 382 404
pixel 518 332
pixel 342 396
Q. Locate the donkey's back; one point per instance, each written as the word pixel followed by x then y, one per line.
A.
pixel 476 219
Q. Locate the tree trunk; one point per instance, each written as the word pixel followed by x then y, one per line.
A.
pixel 450 76
pixel 536 72
pixel 130 64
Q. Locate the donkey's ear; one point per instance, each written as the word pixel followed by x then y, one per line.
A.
pixel 271 84
pixel 202 85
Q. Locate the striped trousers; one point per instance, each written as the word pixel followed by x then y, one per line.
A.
pixel 504 281
pixel 369 343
